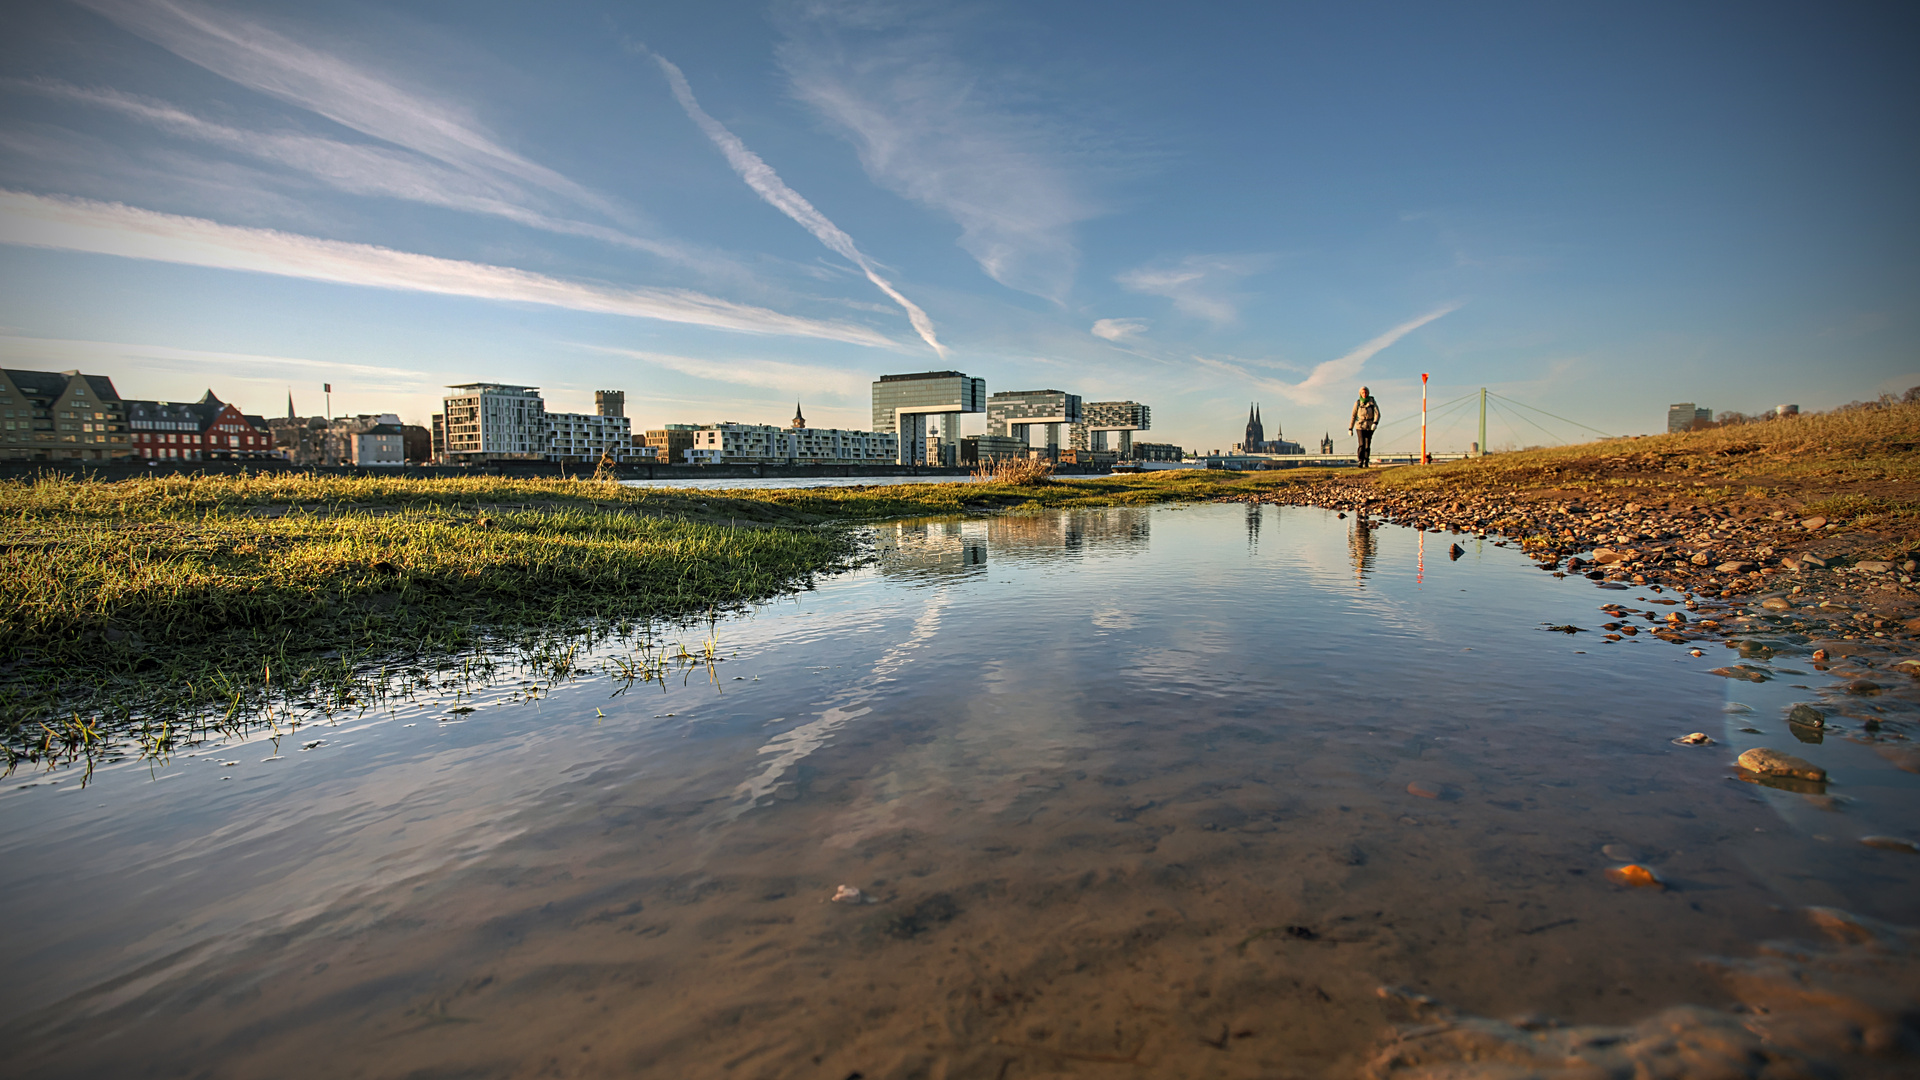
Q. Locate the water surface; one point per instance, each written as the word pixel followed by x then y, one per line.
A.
pixel 1129 791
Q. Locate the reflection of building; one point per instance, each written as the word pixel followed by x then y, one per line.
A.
pixel 494 422
pixel 923 411
pixel 932 549
pixel 1098 418
pixel 1257 442
pixel 956 547
pixel 1686 416
pixel 1014 412
pixel 761 444
pixel 1071 533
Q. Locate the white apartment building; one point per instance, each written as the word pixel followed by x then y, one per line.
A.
pixel 494 422
pixel 586 437
pixel 764 444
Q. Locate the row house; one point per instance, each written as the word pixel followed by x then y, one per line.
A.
pixel 204 430
pixel 61 416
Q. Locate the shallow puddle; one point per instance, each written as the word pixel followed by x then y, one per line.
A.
pixel 1159 792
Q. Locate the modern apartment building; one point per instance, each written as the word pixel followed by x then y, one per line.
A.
pixel 61 416
pixel 486 422
pixel 1015 412
pixel 764 444
pixel 1157 451
pixel 588 437
pixel 670 443
pixel 923 410
pixel 1099 418
pixel 1683 416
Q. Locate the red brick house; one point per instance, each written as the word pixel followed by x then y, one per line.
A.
pixel 204 430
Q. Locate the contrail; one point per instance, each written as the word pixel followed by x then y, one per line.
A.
pixel 768 185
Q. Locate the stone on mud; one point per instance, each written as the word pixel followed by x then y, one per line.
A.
pixel 1763 761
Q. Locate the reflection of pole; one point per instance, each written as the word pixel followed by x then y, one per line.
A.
pixel 1483 421
pixel 1420 561
pixel 1425 458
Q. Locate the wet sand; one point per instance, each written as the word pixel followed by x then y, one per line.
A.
pixel 1166 792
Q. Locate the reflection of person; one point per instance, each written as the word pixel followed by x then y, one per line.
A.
pixel 1366 417
pixel 1360 546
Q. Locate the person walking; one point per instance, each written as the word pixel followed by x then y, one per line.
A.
pixel 1365 418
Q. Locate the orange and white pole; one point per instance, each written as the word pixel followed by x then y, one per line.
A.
pixel 1425 458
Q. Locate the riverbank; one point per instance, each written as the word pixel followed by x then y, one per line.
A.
pixel 174 594
pixel 1808 525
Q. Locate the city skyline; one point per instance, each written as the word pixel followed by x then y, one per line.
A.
pixel 1598 213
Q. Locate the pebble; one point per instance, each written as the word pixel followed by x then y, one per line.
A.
pixel 1806 716
pixel 1635 876
pixel 1874 566
pixel 1777 603
pixel 1734 567
pixel 1698 738
pixel 1892 843
pixel 1813 523
pixel 1425 790
pixel 1763 761
pixel 847 894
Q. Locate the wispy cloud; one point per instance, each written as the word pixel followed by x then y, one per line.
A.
pixel 357 168
pixel 927 127
pixel 798 380
pixel 116 229
pixel 1198 284
pixel 1326 375
pixel 250 54
pixel 1119 329
pixel 256 382
pixel 768 185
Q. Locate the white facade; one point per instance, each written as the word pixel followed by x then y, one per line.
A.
pixel 586 437
pixel 381 444
pixel 493 421
pixel 725 444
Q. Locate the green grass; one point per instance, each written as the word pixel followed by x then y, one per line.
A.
pixel 148 600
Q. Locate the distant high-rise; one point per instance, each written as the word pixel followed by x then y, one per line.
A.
pixel 1098 418
pixel 1014 412
pixel 923 409
pixel 1683 416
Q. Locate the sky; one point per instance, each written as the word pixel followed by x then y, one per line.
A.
pixel 724 208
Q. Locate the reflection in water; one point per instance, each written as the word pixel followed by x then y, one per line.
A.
pixel 931 550
pixel 1110 823
pixel 1360 546
pixel 1253 526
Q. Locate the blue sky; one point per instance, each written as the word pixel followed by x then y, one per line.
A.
pixel 722 207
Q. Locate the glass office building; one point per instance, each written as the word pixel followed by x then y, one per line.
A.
pixel 1014 413
pixel 924 409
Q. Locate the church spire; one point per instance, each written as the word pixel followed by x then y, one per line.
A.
pixel 799 420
